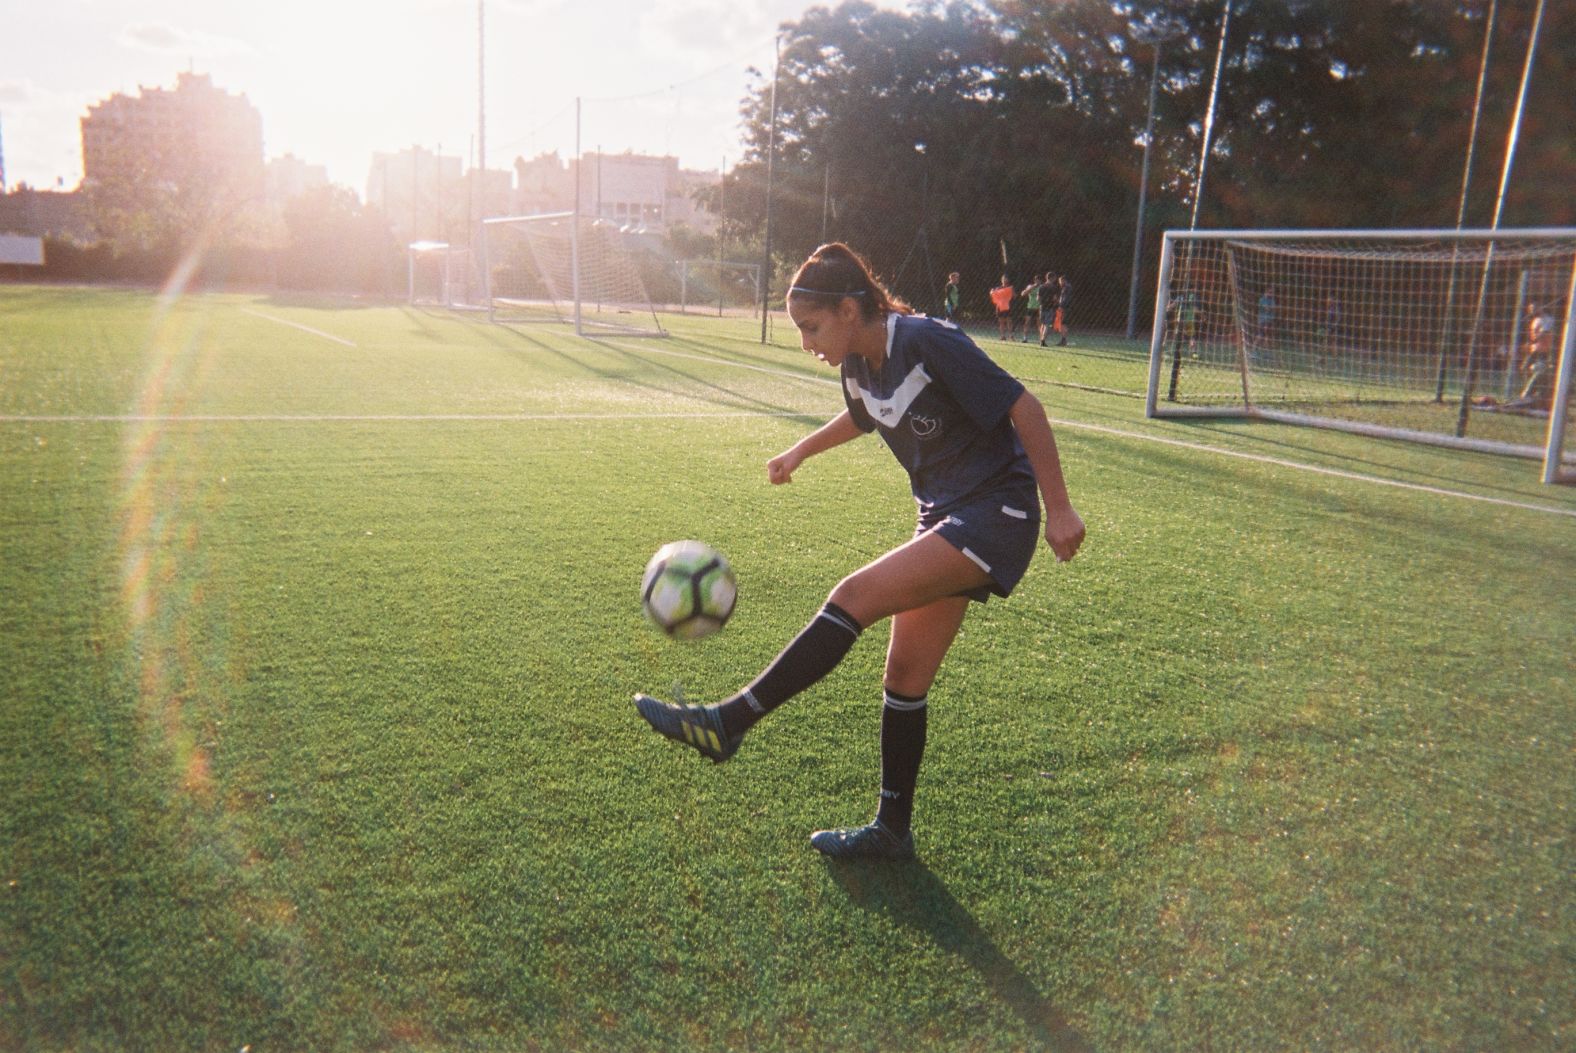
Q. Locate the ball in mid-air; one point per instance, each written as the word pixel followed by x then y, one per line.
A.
pixel 688 590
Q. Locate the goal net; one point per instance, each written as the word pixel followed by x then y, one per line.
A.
pixel 724 283
pixel 551 268
pixel 1450 337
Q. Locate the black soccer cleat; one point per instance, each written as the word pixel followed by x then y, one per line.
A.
pixel 873 842
pixel 698 726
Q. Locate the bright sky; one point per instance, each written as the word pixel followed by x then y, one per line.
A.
pixel 336 80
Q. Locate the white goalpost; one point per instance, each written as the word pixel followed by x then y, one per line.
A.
pixel 555 267
pixel 437 275
pixel 1454 337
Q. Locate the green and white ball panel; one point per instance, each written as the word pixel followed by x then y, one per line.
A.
pixel 688 590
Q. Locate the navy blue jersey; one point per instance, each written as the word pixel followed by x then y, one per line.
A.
pixel 941 405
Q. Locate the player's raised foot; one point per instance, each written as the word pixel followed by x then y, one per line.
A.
pixel 872 842
pixel 697 726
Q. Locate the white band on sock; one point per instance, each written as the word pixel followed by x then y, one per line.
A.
pixel 753 704
pixel 904 705
pixel 838 619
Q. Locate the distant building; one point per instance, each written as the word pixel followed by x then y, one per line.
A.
pixel 45 214
pixel 421 193
pixel 194 130
pixel 493 191
pixel 638 192
pixel 289 177
pixel 642 192
pixel 427 197
pixel 542 184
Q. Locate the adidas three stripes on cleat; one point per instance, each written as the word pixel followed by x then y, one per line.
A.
pixel 697 726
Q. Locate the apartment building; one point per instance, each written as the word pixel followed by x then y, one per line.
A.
pixel 173 135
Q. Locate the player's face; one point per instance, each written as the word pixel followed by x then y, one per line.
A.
pixel 827 332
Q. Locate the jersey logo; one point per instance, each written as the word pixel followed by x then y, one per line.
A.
pixel 887 411
pixel 924 427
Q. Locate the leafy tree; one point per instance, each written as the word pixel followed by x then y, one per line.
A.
pixel 169 197
pixel 926 139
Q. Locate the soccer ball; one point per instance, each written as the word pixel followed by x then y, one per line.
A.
pixel 688 591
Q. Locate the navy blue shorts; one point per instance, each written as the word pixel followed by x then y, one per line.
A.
pixel 999 531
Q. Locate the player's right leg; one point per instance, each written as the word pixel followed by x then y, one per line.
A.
pixel 913 575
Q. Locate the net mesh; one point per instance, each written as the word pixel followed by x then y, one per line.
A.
pixel 534 263
pixel 1443 336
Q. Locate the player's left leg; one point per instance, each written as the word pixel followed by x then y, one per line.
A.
pixel 920 640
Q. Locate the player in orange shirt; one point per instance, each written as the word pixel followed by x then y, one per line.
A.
pixel 1001 297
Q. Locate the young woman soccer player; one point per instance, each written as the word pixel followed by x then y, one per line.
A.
pixel 976 446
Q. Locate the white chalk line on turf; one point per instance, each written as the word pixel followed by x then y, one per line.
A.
pixel 719 362
pixel 298 325
pixel 1338 473
pixel 352 418
pixel 1260 458
pixel 1278 462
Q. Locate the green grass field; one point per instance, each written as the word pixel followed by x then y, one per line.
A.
pixel 319 629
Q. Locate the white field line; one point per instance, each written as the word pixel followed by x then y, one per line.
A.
pixel 721 362
pixel 1281 462
pixel 298 325
pixel 332 418
pixel 1278 462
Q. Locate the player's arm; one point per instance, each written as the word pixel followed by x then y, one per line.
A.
pixel 1064 528
pixel 834 432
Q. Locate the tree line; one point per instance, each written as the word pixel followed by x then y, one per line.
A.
pixel 957 135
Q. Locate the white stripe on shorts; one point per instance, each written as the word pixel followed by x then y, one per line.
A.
pixel 1016 513
pixel 977 561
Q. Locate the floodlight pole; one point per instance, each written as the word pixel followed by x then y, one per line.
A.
pixel 722 203
pixel 574 225
pixel 1461 206
pixel 826 199
pixel 481 90
pixel 771 152
pixel 1209 117
pixel 1143 194
pixel 1499 205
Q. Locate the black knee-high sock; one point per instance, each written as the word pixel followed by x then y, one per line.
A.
pixel 903 721
pixel 812 654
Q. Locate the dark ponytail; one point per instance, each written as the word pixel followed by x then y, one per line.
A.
pixel 835 272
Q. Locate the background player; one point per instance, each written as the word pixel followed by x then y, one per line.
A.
pixel 951 297
pixel 1001 299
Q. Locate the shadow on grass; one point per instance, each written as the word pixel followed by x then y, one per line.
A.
pixel 914 896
